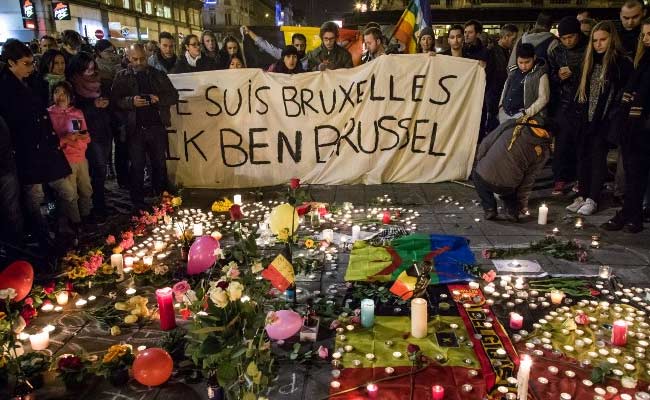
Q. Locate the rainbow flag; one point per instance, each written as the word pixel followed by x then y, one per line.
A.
pixel 280 273
pixel 416 16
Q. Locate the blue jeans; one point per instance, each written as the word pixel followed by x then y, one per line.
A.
pixel 152 142
pixel 97 153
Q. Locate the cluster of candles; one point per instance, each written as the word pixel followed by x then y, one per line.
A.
pixel 39 340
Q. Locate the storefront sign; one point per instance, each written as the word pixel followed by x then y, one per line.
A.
pixel 61 10
pixel 28 13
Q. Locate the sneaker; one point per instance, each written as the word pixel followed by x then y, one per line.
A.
pixel 577 203
pixel 558 188
pixel 490 215
pixel 614 224
pixel 588 208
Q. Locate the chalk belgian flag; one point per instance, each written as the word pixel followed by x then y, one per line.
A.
pixel 280 273
pixel 416 17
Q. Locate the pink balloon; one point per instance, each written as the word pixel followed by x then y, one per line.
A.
pixel 201 255
pixel 19 275
pixel 287 324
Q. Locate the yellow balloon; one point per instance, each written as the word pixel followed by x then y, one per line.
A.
pixel 281 218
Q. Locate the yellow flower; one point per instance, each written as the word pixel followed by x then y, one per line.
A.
pixel 115 330
pixel 131 319
pixel 222 206
pixel 283 235
pixel 77 272
pixel 257 267
pixel 140 268
pixel 107 269
pixel 3 315
pixel 177 201
pixel 309 243
pixel 117 250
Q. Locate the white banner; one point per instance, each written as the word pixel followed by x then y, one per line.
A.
pixel 400 118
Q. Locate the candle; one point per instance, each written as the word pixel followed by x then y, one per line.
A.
pixel 557 296
pixel 198 230
pixel 356 230
pixel 237 199
pixel 473 285
pixel 166 308
pixel 519 283
pixel 117 262
pixel 437 392
pixel 556 231
pixel 578 224
pixel 385 219
pixel 516 321
pixel 542 215
pixel 372 389
pixel 158 245
pixel 128 262
pixel 619 333
pixel 62 297
pixel 147 260
pixel 130 291
pixel 40 341
pixel 419 318
pixel 81 303
pixel 604 271
pixel 367 313
pixel 525 363
pixel 328 234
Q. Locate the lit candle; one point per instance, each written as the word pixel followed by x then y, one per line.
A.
pixel 117 262
pixel 619 333
pixel 40 341
pixel 557 296
pixel 437 392
pixel 62 298
pixel 198 230
pixel 47 307
pixel 158 245
pixel 81 303
pixel 147 260
pixel 128 262
pixel 556 231
pixel 516 321
pixel 166 308
pixel 130 291
pixel 367 313
pixel 578 224
pixel 328 234
pixel 419 318
pixel 237 199
pixel 542 215
pixel 525 363
pixel 604 271
pixel 519 283
pixel 356 230
pixel 372 389
pixel 473 285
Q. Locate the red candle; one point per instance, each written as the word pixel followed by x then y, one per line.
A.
pixel 166 308
pixel 385 219
pixel 516 321
pixel 373 389
pixel 619 333
pixel 437 392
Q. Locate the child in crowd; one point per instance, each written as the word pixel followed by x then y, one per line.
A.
pixel 527 91
pixel 69 124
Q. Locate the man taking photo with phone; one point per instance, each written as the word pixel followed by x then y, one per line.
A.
pixel 143 95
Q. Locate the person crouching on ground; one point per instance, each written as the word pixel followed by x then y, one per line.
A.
pixel 526 91
pixel 508 161
pixel 70 125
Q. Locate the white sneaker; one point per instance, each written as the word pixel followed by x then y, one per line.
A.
pixel 588 208
pixel 577 203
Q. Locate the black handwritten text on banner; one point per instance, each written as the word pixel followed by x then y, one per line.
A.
pixel 406 118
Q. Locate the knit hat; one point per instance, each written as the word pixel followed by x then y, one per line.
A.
pixel 102 44
pixel 568 25
pixel 427 31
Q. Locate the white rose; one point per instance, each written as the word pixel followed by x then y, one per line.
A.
pixel 219 297
pixel 8 293
pixel 257 267
pixel 161 269
pixel 235 290
pixel 190 296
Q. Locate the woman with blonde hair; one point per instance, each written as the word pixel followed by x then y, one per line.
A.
pixel 605 70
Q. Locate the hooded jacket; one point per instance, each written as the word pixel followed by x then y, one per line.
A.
pixel 563 92
pixel 512 156
pixel 543 42
pixel 536 90
pixel 338 57
pixel 74 150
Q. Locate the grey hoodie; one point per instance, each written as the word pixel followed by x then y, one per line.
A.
pixel 534 37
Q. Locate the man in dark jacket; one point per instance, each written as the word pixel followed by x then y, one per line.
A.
pixel 497 69
pixel 164 58
pixel 629 28
pixel 565 62
pixel 329 55
pixel 144 94
pixel 508 162
pixel 540 37
pixel 473 48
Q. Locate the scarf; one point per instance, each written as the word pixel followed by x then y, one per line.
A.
pixel 86 86
pixel 190 60
pixel 53 79
pixel 109 66
pixel 167 63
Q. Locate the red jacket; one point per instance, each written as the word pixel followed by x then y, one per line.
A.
pixel 74 147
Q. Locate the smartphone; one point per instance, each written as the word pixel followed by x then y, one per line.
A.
pixel 147 98
pixel 76 125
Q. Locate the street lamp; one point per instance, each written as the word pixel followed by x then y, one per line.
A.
pixel 357 6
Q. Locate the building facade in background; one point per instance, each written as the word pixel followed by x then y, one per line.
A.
pixel 226 16
pixel 121 21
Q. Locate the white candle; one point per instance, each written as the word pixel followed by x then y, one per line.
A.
pixel 47 307
pixel 328 235
pixel 557 296
pixel 604 271
pixel 519 283
pixel 62 298
pixel 158 245
pixel 522 376
pixel 473 285
pixel 237 199
pixel 81 303
pixel 148 260
pixel 128 262
pixel 198 229
pixel 130 291
pixel 419 318
pixel 117 262
pixel 40 341
pixel 356 230
pixel 542 215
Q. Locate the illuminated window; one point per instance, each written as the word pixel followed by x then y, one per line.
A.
pixel 228 19
pixel 126 3
pixel 167 12
pixel 148 7
pixel 138 5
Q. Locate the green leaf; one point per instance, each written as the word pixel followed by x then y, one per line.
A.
pixel 207 329
pixel 239 352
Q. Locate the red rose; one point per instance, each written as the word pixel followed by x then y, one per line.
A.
pixel 303 209
pixel 49 288
pixel 70 362
pixel 582 319
pixel 69 287
pixel 235 213
pixel 412 348
pixel 294 183
pixel 28 312
pixel 223 285
pixel 186 313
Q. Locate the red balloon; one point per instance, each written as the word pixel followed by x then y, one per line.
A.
pixel 19 275
pixel 152 367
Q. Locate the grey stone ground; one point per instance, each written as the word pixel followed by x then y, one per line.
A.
pixel 627 254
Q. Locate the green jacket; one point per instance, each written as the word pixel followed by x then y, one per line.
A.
pixel 338 57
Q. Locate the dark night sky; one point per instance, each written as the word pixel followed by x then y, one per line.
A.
pixel 324 9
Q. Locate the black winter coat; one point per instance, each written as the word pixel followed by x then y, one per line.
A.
pixel 39 158
pixel 563 92
pixel 203 64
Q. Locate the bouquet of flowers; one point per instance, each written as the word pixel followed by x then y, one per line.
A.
pixel 116 363
pixel 73 369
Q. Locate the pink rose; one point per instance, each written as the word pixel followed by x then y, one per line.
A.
pixel 355 320
pixel 335 324
pixel 29 301
pixel 233 273
pixel 582 319
pixel 489 276
pixel 179 289
pixel 323 352
pixel 110 240
pixel 294 183
pixel 357 312
pixel 486 254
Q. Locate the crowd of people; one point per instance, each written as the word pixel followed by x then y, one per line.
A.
pixel 71 112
